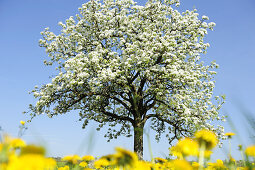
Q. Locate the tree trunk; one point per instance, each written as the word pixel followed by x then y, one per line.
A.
pixel 138 141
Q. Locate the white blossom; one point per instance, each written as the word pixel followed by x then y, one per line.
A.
pixel 121 63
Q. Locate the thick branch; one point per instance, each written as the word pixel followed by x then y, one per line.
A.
pixel 115 116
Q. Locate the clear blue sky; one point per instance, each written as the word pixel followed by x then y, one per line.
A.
pixel 21 68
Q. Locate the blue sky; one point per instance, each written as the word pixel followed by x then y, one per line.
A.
pixel 21 68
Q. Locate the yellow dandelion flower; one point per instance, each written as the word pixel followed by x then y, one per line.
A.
pixel 125 158
pixel 83 164
pixel 17 143
pixel 32 149
pixel 22 122
pixel 160 160
pixel 73 159
pixel 231 159
pixel 88 158
pixel 178 164
pixel 185 147
pixel 158 166
pixel 176 151
pixel 109 157
pixel 31 162
pixel 3 165
pixel 142 165
pixel 101 163
pixel 217 165
pixel 207 137
pixel 195 165
pixel 188 146
pixel 250 151
pixel 207 154
pixel 229 134
pixel 64 168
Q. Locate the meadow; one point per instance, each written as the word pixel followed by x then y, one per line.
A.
pixel 15 154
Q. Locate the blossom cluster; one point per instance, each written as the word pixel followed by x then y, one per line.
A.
pixel 118 61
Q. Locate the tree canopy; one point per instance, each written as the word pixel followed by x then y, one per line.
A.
pixel 122 63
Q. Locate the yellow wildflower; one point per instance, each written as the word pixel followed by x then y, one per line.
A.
pixel 17 143
pixel 83 164
pixel 217 165
pixel 88 158
pixel 195 165
pixel 250 151
pixel 178 164
pixel 31 162
pixel 229 134
pixel 3 165
pixel 142 165
pixel 185 147
pixel 231 159
pixel 207 154
pixel 188 146
pixel 32 149
pixel 64 168
pixel 207 137
pixel 158 166
pixel 101 163
pixel 176 151
pixel 125 158
pixel 73 159
pixel 22 122
pixel 160 160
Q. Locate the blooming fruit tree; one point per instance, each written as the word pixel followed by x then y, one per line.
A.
pixel 121 63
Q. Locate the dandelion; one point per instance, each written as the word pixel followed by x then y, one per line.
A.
pixel 64 168
pixel 160 160
pixel 250 151
pixel 109 157
pixel 73 159
pixel 178 164
pixel 83 164
pixel 207 154
pixel 125 158
pixel 88 158
pixel 31 162
pixel 207 137
pixel 229 134
pixel 207 140
pixel 188 146
pixel 176 151
pixel 142 165
pixel 217 165
pixel 185 147
pixel 32 149
pixel 101 163
pixel 17 143
pixel 195 165
pixel 232 160
pixel 22 122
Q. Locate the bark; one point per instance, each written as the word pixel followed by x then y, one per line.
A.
pixel 138 141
